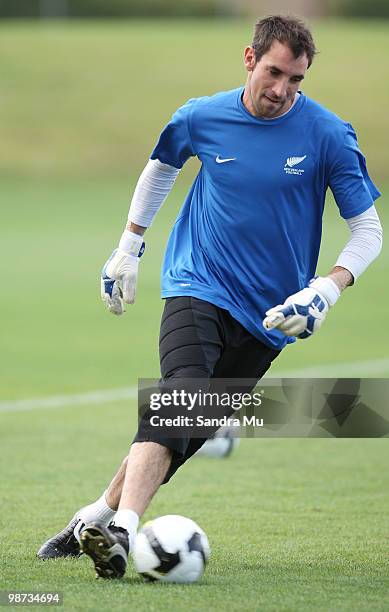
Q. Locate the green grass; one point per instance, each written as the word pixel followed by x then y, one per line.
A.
pixel 90 98
pixel 293 524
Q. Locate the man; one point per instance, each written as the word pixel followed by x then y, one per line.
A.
pixel 240 258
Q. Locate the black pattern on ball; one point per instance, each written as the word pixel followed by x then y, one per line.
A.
pixel 167 561
pixel 195 544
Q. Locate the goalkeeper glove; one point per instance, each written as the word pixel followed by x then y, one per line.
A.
pixel 304 312
pixel 119 275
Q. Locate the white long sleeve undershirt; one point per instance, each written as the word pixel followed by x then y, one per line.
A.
pixel 152 189
pixel 365 243
pixel 157 180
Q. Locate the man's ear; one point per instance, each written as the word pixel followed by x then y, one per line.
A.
pixel 249 59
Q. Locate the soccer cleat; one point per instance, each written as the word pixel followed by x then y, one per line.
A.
pixel 108 547
pixel 64 544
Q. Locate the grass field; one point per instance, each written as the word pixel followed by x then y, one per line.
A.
pixel 293 524
pixel 91 98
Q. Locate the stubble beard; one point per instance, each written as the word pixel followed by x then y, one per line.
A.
pixel 263 111
pixel 270 112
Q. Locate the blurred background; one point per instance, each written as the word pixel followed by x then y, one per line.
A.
pixel 86 87
pixel 191 8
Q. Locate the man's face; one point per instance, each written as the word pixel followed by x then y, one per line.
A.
pixel 273 81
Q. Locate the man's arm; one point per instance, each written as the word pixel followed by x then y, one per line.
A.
pixel 136 229
pixel 152 189
pixel 119 276
pixel 175 145
pixel 363 247
pixel 341 277
pixel 365 243
pixel 303 313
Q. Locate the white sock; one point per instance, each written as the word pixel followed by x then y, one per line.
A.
pixel 129 520
pixel 98 512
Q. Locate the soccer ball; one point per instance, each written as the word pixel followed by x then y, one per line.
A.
pixel 171 548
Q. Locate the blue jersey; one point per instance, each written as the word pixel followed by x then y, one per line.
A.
pixel 248 234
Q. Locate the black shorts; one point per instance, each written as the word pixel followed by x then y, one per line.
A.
pixel 202 341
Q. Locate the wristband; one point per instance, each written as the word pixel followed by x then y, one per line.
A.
pixel 132 243
pixel 327 288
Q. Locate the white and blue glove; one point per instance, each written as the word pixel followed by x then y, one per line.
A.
pixel 120 273
pixel 303 313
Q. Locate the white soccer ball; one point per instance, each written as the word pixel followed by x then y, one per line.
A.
pixel 171 548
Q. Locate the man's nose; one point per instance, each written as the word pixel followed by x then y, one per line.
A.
pixel 279 88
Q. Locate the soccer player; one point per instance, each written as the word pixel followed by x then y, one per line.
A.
pixel 237 277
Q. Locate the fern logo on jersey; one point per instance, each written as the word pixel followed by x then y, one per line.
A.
pixel 291 162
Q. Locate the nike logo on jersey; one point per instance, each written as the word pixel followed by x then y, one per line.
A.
pixel 219 160
pixel 293 161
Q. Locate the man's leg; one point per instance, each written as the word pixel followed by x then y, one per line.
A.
pixel 148 463
pixel 190 345
pixel 197 341
pixel 114 490
pixel 109 547
pixel 206 342
pixel 244 357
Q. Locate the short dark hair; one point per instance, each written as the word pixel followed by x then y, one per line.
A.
pixel 286 29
